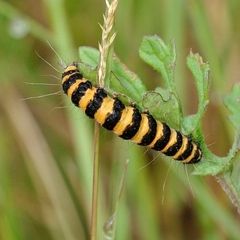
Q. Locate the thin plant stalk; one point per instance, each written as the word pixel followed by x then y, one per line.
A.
pixel 105 49
pixel 95 188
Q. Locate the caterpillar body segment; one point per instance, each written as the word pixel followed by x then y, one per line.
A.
pixel 127 121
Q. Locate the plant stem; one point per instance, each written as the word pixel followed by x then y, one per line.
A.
pixel 94 214
pixel 103 68
pixel 229 188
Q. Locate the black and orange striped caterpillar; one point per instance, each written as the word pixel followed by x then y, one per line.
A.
pixel 127 121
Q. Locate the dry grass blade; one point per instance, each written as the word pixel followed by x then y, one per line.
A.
pixel 104 48
pixel 107 39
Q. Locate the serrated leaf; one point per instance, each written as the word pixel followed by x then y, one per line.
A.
pixel 189 124
pixel 213 165
pixel 89 56
pixel 208 168
pixel 123 80
pixel 210 164
pixel 232 102
pixel 161 57
pixel 200 71
pixel 163 104
pixel 128 80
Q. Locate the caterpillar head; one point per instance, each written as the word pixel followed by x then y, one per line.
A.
pixel 70 69
pixel 70 75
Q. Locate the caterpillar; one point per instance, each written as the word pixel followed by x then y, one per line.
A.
pixel 128 122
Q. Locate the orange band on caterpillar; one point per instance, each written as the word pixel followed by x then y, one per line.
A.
pixel 127 121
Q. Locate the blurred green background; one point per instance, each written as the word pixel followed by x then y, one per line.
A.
pixel 46 145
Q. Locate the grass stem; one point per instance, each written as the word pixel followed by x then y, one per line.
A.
pixel 94 213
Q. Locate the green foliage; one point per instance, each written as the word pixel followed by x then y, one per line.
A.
pixel 214 164
pixel 164 103
pixel 200 72
pixel 162 58
pixel 122 80
pixel 56 161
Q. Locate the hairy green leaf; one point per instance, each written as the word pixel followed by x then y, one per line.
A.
pixel 161 57
pixel 89 56
pixel 163 105
pixel 200 71
pixel 122 81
